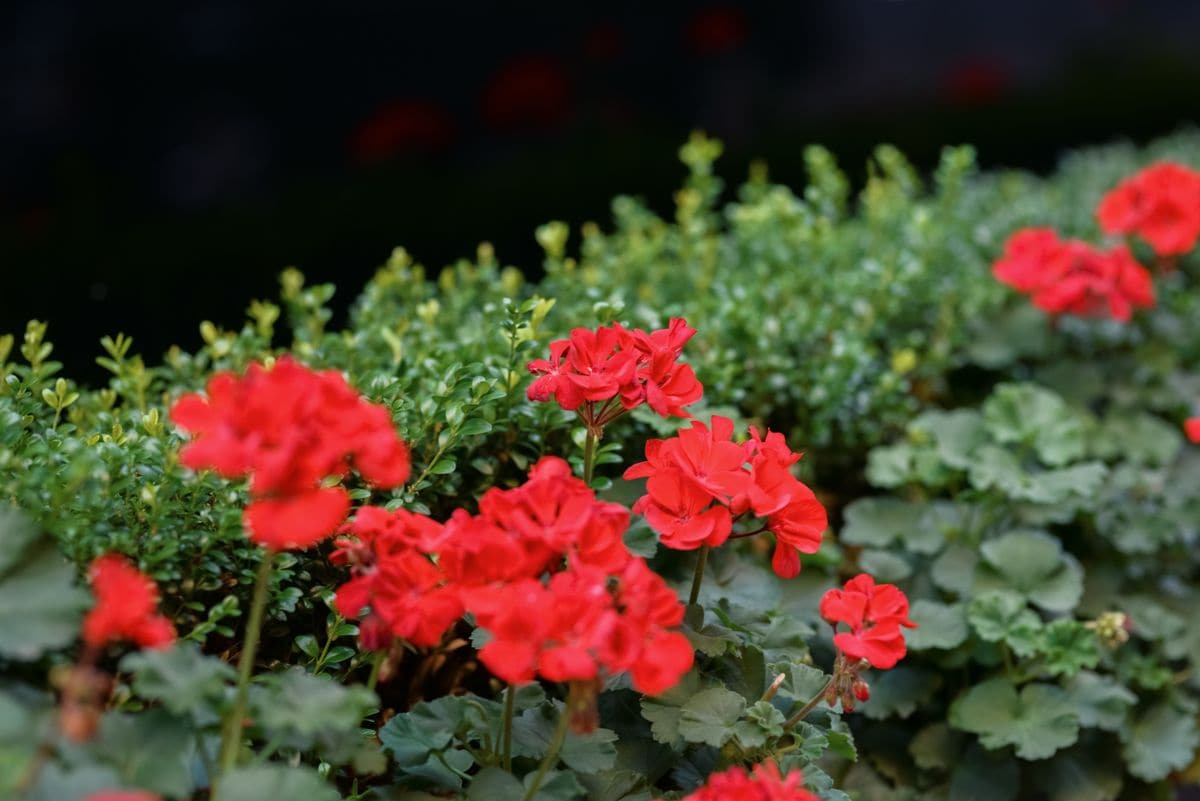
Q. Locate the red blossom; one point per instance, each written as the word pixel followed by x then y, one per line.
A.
pixel 1191 427
pixel 1161 204
pixel 289 428
pixel 1072 277
pixel 603 373
pixel 764 783
pixel 126 606
pixel 875 614
pixel 700 481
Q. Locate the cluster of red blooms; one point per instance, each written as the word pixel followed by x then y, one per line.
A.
pixel 601 610
pixel 126 607
pixel 290 428
pixel 763 784
pixel 1161 204
pixel 1068 276
pixel 876 615
pixel 700 480
pixel 1192 428
pixel 604 373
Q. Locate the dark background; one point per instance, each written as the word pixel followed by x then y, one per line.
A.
pixel 161 162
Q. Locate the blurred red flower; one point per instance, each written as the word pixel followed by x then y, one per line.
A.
pixel 1161 204
pixel 126 606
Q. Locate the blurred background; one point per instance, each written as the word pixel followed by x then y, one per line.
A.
pixel 160 163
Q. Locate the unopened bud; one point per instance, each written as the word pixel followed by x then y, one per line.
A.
pixel 1111 628
pixel 862 690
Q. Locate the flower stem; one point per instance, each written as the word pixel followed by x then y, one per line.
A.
pixel 232 735
pixel 376 666
pixel 698 578
pixel 589 457
pixel 510 698
pixel 560 734
pixel 808 707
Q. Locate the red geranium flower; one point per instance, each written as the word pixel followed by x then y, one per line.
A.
pixel 289 428
pixel 699 481
pixel 1072 277
pixel 604 373
pixel 763 784
pixel 126 606
pixel 875 614
pixel 1192 428
pixel 1161 204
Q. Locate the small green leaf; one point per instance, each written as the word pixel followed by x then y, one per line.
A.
pixel 1161 740
pixel 181 678
pixel 983 776
pixel 939 625
pixel 1100 701
pixel 1037 722
pixel 444 466
pixel 710 715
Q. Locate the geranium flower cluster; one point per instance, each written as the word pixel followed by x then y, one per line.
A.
pixel 1160 204
pixel 290 428
pixel 1068 276
pixel 876 615
pixel 542 567
pixel 699 482
pixel 126 607
pixel 764 783
pixel 604 373
pixel 1191 427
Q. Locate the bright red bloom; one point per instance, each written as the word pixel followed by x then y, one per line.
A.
pixel 606 372
pixel 1161 204
pixel 126 606
pixel 700 480
pixel 1191 427
pixel 1072 277
pixel 763 784
pixel 123 795
pixel 289 428
pixel 875 614
pixel 584 624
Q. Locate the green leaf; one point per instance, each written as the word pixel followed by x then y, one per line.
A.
pixel 444 466
pixel 954 570
pixel 936 747
pixel 1068 647
pixel 957 434
pixel 1001 616
pixel 939 625
pixel 878 522
pixel 709 716
pixel 1031 563
pixel 1140 438
pixel 1162 739
pixel 152 750
pixel 983 776
pixel 494 784
pixel 255 783
pixel 616 785
pixel 1030 415
pixel 1080 773
pixel 593 752
pixel 763 722
pixel 1100 701
pixel 40 605
pixel 1037 722
pixel 301 706
pixel 899 691
pixel 181 678
pixel 663 710
pixel 884 566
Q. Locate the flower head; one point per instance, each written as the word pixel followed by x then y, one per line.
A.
pixel 126 606
pixel 875 614
pixel 289 428
pixel 1072 277
pixel 764 783
pixel 1161 204
pixel 1191 427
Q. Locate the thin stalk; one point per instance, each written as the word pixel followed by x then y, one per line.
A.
pixel 809 707
pixel 698 578
pixel 548 761
pixel 589 457
pixel 510 700
pixel 232 735
pixel 376 666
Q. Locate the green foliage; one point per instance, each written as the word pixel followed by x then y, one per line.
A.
pixel 1031 479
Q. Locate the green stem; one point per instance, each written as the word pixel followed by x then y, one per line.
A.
pixel 809 707
pixel 510 700
pixel 231 737
pixel 589 457
pixel 551 758
pixel 376 667
pixel 698 579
